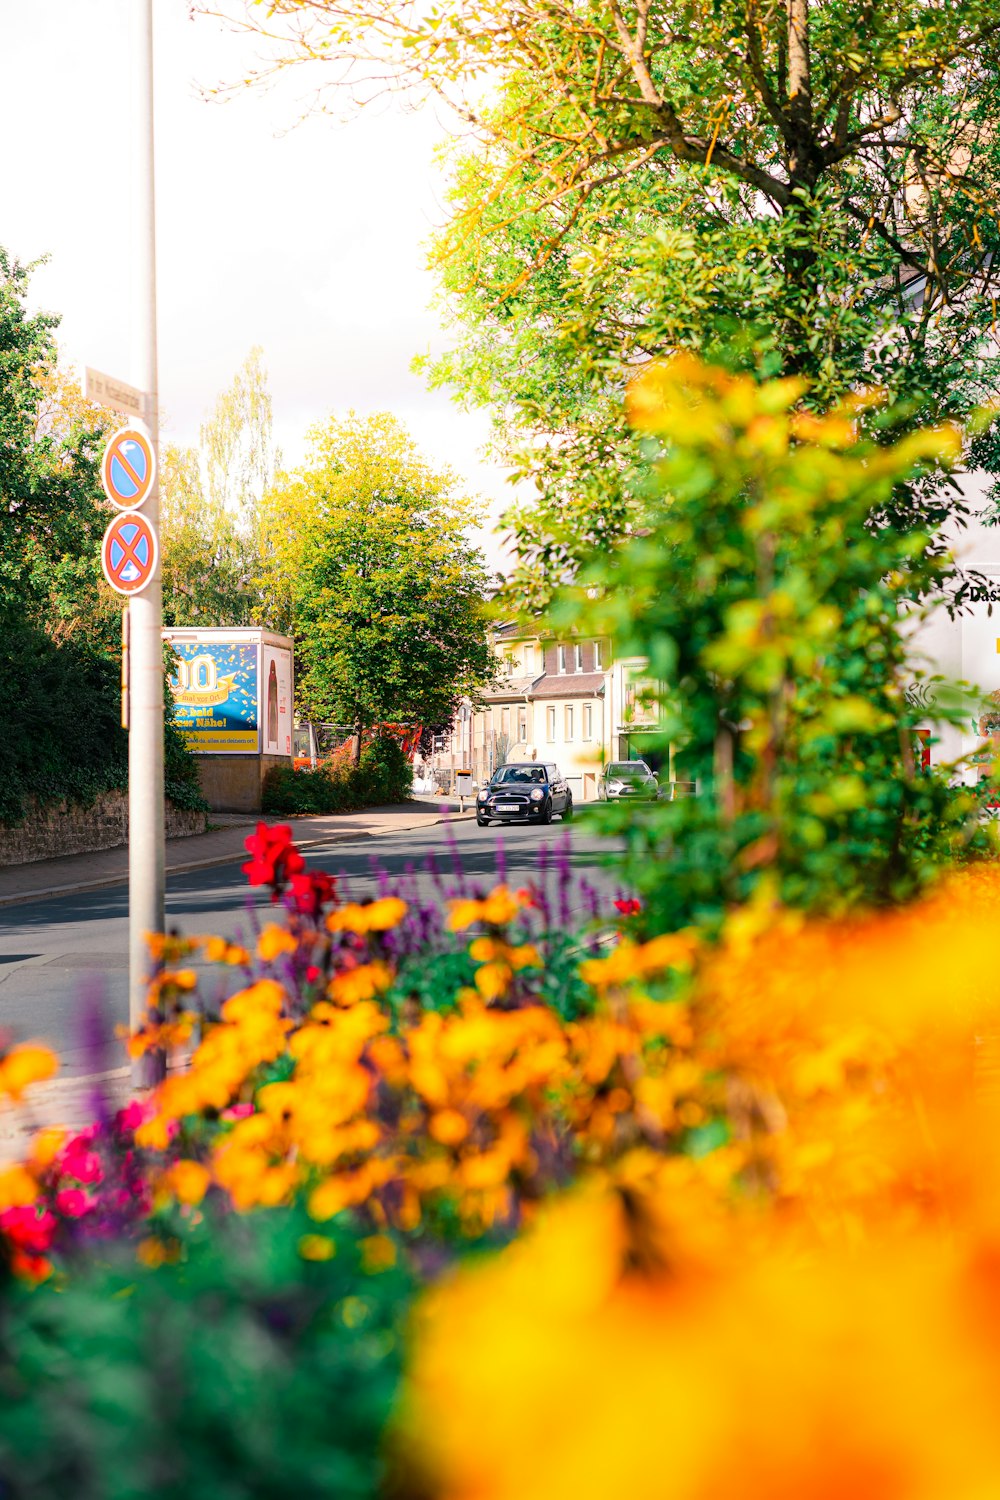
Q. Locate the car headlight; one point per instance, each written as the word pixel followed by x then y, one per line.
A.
pixel 614 786
pixel 537 794
pixel 483 795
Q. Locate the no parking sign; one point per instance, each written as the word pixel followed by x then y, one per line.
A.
pixel 129 553
pixel 128 469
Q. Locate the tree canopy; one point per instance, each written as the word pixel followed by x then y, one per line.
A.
pixel 52 508
pixel 368 561
pixel 795 187
pixel 210 508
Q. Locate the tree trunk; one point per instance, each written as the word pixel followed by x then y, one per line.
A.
pixel 356 745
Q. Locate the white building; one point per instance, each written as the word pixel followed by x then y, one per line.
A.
pixel 568 701
pixel 964 650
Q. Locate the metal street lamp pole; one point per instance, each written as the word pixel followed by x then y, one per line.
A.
pixel 145 754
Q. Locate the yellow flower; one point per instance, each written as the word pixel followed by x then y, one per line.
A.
pixel 219 951
pixel 378 1253
pixel 448 1127
pixel 45 1146
pixel 317 1247
pixel 22 1066
pixel 274 941
pixel 499 907
pixel 493 980
pixel 362 983
pixel 188 1181
pixel 375 916
pixel 265 998
pixel 672 950
pixel 17 1187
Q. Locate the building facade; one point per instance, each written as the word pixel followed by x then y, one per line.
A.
pixel 569 701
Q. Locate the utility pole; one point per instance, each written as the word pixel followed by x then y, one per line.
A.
pixel 146 857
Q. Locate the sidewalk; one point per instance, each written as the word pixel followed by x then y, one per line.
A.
pixel 222 845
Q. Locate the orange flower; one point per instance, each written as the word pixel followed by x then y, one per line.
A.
pixel 18 1187
pixel 496 910
pixel 24 1065
pixel 274 941
pixel 375 916
pixel 187 1181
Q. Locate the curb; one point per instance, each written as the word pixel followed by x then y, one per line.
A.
pixel 106 882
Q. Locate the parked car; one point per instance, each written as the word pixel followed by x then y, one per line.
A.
pixel 524 793
pixel 627 778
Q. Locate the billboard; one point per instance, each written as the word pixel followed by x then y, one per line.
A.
pixel 233 690
pixel 215 689
pixel 276 700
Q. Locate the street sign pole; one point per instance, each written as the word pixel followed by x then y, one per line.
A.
pixel 145 753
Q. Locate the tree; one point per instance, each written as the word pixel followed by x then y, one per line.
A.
pixel 768 605
pixel 210 513
pixel 385 594
pixel 52 508
pixel 797 187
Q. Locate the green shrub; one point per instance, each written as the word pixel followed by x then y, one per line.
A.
pixel 60 727
pixel 248 1368
pixel 337 785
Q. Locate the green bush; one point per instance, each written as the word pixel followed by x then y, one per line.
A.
pixel 384 775
pixel 263 1363
pixel 60 727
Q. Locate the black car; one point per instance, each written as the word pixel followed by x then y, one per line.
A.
pixel 528 793
pixel 627 778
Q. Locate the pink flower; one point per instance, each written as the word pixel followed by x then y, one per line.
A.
pixel 237 1112
pixel 73 1203
pixel 85 1166
pixel 132 1116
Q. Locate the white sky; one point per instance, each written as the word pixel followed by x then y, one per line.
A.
pixel 307 242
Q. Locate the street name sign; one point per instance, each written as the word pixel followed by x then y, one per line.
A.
pixel 128 468
pixel 129 553
pixel 116 394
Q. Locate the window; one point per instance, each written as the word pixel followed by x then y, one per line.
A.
pixel 505 721
pixel 569 721
pixel 588 721
pixel 522 725
pixel 598 656
pixel 529 660
pixel 562 658
pixel 550 724
pixel 578 658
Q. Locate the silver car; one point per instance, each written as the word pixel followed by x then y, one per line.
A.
pixel 627 778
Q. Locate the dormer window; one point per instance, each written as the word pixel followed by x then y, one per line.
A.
pixel 578 658
pixel 562 658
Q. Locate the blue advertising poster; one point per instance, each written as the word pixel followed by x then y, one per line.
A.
pixel 215 695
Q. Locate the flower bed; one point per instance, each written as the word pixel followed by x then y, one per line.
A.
pixel 699 1157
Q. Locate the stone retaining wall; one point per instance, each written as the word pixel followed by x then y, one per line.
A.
pixel 64 828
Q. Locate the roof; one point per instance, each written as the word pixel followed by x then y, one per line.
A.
pixel 510 687
pixel 569 685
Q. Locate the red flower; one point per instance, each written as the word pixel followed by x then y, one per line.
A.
pixel 28 1229
pixel 312 891
pixel 629 907
pixel 273 856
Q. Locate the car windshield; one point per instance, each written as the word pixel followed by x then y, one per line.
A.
pixel 525 775
pixel 628 768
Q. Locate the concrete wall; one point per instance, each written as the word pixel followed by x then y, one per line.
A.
pixel 66 829
pixel 233 783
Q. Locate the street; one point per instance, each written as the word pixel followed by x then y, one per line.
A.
pixel 57 953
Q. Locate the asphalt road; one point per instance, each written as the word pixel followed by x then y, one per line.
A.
pixel 62 956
